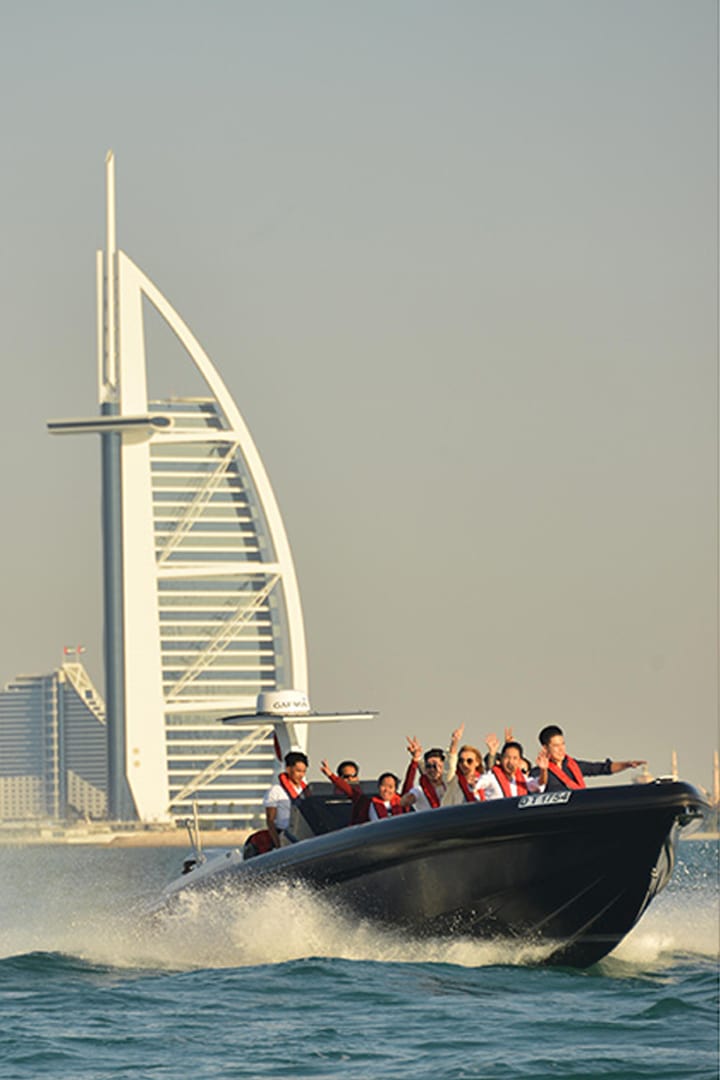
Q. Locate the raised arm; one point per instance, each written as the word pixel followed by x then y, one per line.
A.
pixel 340 784
pixel 415 751
pixel 493 744
pixel 451 764
pixel 455 739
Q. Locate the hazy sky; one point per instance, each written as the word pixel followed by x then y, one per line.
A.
pixel 457 263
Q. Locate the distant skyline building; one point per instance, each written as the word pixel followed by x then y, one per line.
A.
pixel 53 747
pixel 202 610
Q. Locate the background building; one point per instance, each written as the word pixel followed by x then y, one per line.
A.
pixel 202 608
pixel 53 747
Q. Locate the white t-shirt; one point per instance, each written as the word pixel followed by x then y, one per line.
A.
pixel 494 791
pixel 421 799
pixel 278 797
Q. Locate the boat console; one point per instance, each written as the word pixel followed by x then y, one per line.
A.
pixel 321 809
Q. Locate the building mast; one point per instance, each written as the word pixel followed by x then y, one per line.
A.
pixel 120 802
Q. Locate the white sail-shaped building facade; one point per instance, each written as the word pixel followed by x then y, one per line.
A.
pixel 202 607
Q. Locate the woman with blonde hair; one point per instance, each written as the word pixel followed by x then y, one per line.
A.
pixel 469 782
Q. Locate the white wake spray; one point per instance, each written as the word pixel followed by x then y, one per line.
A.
pixel 87 904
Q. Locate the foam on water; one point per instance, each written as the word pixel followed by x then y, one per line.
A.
pixel 86 905
pixel 285 922
pixel 676 924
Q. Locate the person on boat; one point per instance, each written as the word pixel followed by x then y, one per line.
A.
pixel 566 773
pixel 508 780
pixel 279 798
pixel 469 782
pixel 347 781
pixel 436 768
pixel 428 792
pixel 346 778
pixel 493 744
pixel 387 802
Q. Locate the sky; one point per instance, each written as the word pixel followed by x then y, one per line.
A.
pixel 458 265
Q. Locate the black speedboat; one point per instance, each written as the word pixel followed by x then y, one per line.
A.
pixel 571 871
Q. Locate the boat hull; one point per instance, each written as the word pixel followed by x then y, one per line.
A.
pixel 571 872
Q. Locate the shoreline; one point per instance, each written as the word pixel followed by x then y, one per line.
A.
pixel 177 838
pixel 116 839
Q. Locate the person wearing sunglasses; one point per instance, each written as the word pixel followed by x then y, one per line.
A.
pixel 436 769
pixel 469 782
pixel 347 781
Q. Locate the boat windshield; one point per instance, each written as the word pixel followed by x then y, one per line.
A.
pixel 322 809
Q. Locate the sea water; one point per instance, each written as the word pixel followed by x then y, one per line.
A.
pixel 281 985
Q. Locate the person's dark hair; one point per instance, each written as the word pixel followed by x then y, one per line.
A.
pixel 512 744
pixel 549 733
pixel 385 775
pixel 435 752
pixel 294 757
pixel 526 766
pixel 344 765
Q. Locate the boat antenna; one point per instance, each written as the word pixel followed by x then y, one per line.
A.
pixel 193 828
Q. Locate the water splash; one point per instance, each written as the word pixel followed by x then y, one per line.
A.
pixel 85 904
pixel 289 922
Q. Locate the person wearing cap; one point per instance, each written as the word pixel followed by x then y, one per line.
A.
pixel 436 768
pixel 567 774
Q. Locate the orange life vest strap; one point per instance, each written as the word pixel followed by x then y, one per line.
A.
pixel 470 795
pixel 575 781
pixel 504 781
pixel 429 790
pixel 290 788
pixel 381 809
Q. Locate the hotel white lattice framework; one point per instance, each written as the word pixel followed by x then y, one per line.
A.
pixel 202 607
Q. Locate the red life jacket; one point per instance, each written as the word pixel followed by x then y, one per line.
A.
pixel 470 795
pixel 504 781
pixel 292 791
pixel 575 781
pixel 430 791
pixel 381 809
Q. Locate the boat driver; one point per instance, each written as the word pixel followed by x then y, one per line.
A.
pixel 564 772
pixel 279 798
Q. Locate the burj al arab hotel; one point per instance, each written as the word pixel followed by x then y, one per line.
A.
pixel 202 610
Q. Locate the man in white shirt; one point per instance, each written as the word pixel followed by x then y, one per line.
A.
pixel 279 798
pixel 507 780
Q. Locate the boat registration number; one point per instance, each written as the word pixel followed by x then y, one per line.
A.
pixel 544 798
